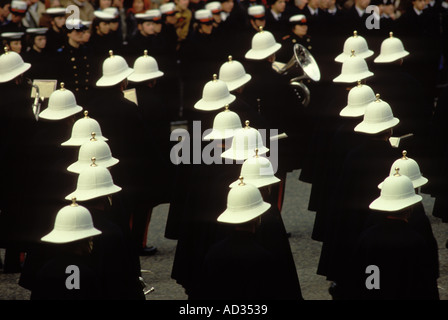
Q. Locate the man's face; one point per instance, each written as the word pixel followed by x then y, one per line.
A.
pixel 16 46
pixel 182 4
pixel 59 21
pixel 171 19
pixel 16 18
pixel 227 6
pixel 300 30
pixel 103 28
pixel 419 4
pixel 313 3
pixel 146 28
pixel 4 12
pixel 362 4
pixel 279 6
pixel 76 35
pixel 157 27
pixel 206 28
pixel 40 42
pixel 114 26
pixel 257 23
pixel 105 4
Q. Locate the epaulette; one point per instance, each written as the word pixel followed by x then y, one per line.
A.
pixel 286 37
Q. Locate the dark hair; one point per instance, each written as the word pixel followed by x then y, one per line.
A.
pixel 3 3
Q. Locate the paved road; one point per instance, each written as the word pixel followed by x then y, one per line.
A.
pixel 298 221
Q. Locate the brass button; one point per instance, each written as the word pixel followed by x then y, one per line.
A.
pixel 87 88
pixel 85 58
pixel 76 81
pixel 77 89
pixel 76 74
pixel 74 67
pixel 87 80
pixel 72 59
pixel 87 73
pixel 88 65
pixel 310 47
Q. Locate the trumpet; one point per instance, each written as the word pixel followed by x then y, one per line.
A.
pixel 37 100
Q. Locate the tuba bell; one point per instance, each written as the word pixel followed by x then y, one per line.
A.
pixel 304 62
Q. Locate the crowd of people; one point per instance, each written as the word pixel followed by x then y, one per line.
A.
pixel 129 74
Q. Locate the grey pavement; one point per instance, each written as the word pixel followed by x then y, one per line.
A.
pixel 298 221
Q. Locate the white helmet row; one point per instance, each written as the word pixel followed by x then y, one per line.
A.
pixel 392 49
pixel 94 181
pixel 94 148
pixel 408 167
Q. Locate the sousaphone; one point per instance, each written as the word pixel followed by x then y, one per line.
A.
pixel 304 62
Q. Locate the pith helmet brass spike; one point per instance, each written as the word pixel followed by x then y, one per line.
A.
pixel 391 34
pixel 359 83
pixel 62 86
pixel 93 164
pixel 397 173
pixel 241 181
pixel 215 77
pixel 404 153
pixel 256 153
pixel 247 122
pixel 6 49
pixel 226 107
pixel 377 96
pixel 260 28
pixel 93 134
pixel 73 204
pixel 230 58
pixel 355 33
pixel 111 53
pixel 353 53
pixel 86 114
pixel 145 53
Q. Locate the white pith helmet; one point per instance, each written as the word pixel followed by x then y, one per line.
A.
pixel 232 72
pixel 391 49
pixel 82 131
pixel 115 70
pixel 263 45
pixel 72 223
pixel 354 68
pixel 224 125
pixel 11 66
pixel 245 142
pixel 244 203
pixel 378 117
pixel 93 182
pixel 357 101
pixel 61 104
pixel 112 11
pixel 145 68
pixel 215 95
pixel 257 171
pixel 397 193
pixel 409 168
pixel 94 148
pixel 357 43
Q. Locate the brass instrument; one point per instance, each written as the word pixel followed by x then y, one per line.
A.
pixel 301 60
